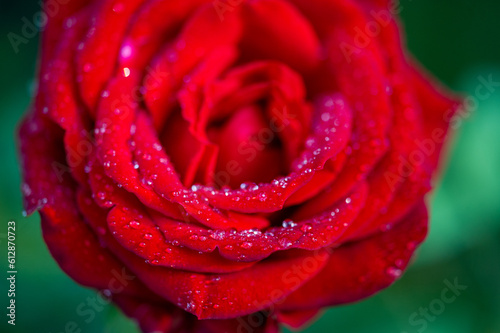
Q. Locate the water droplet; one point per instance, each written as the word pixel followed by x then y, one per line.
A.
pixel 283 242
pixel 135 224
pixel 393 271
pixel 305 227
pixel 288 223
pixel 218 235
pixel 126 51
pixel 126 71
pixel 246 245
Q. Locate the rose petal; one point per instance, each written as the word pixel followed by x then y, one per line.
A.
pixel 251 245
pixel 359 269
pixel 290 39
pixel 98 52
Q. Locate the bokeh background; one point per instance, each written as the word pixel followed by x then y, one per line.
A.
pixel 458 41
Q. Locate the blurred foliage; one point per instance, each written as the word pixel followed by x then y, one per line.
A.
pixel 457 41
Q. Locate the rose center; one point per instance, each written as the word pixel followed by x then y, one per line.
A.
pixel 246 126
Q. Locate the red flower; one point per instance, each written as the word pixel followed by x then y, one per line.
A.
pixel 244 163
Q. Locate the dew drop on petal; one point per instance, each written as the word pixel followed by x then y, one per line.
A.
pixel 126 71
pixel 135 224
pixel 246 245
pixel 126 51
pixel 393 271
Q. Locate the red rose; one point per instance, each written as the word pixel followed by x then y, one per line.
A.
pixel 245 163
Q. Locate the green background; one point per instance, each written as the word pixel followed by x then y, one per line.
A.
pixel 458 41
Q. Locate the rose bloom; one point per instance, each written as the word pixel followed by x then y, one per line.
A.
pixel 230 166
